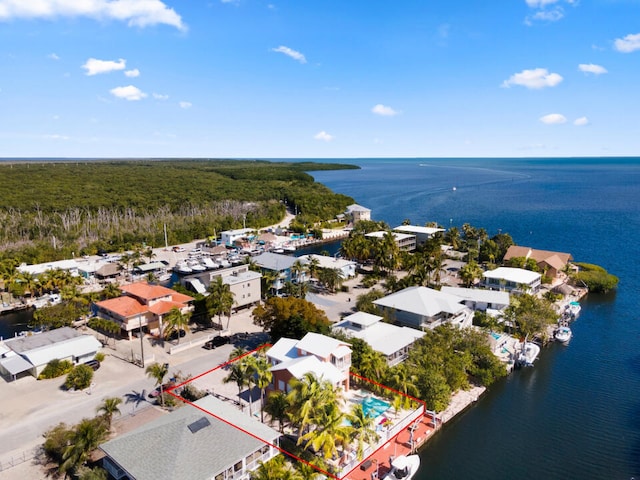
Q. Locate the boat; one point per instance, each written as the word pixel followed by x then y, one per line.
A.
pixel 528 354
pixel 404 467
pixel 563 334
pixel 208 263
pixel 182 267
pixel 196 267
pixel 574 309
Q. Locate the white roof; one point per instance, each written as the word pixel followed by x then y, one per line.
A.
pixel 362 318
pixel 239 231
pixel 478 294
pixel 357 208
pixel 417 229
pixel 39 268
pixel 59 343
pixel 327 262
pixel 274 261
pixel 283 350
pixel 320 345
pixel 510 274
pixel 422 301
pixel 15 364
pixel 240 277
pixel 382 337
pixel 382 233
pixel 322 370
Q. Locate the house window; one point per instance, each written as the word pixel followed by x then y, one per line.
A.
pixel 238 466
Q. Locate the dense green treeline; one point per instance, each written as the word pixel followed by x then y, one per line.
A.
pixel 50 210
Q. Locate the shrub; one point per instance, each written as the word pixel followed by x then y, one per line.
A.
pixel 99 357
pixel 55 368
pixel 79 378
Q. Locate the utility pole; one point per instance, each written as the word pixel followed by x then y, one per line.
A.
pixel 141 345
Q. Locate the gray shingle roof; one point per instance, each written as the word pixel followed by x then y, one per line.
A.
pixel 167 449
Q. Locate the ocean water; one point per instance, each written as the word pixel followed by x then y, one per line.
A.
pixel 576 413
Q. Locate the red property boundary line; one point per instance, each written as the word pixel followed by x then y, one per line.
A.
pixel 280 449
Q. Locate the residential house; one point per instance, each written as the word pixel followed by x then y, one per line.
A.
pixel 29 354
pixel 516 280
pixel 209 440
pixel 392 341
pixel 280 264
pixel 243 283
pixel 326 357
pixel 142 306
pixel 552 263
pixel 422 234
pixel 356 212
pixel 422 308
pixel 491 301
pixel 404 241
pixel 347 268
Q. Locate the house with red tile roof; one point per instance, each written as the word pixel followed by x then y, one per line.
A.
pixel 142 306
pixel 550 262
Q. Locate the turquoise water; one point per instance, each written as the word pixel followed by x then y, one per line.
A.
pixel 576 414
pixel 495 335
pixel 374 407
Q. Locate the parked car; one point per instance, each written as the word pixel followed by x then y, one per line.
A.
pixel 156 392
pixel 174 334
pixel 216 342
pixel 179 249
pixel 95 364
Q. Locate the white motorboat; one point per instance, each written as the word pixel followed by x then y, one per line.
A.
pixel 563 334
pixel 196 267
pixel 528 354
pixel 182 267
pixel 208 263
pixel 574 309
pixel 403 468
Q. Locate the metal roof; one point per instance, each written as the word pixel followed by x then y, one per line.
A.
pixel 422 301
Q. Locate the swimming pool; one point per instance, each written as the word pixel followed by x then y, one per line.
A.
pixel 496 335
pixel 374 407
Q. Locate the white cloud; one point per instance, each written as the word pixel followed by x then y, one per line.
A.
pixel 290 53
pixel 552 15
pixel 384 110
pixel 536 78
pixel 138 13
pixel 628 44
pixel 540 3
pixel 55 136
pixel 53 56
pixel 185 104
pixel 323 136
pixel 132 73
pixel 93 66
pixel 554 119
pixel 128 93
pixel 592 68
pixel 580 122
pixel 160 96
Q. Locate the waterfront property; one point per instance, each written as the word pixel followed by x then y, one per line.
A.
pixel 404 241
pixel 552 263
pixel 392 341
pixel 228 237
pixel 422 308
pixel 491 301
pixel 326 357
pixel 422 234
pixel 28 355
pixel 207 440
pixel 356 212
pixel 347 268
pixel 516 280
pixel 142 306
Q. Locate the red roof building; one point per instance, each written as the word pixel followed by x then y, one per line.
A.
pixel 142 305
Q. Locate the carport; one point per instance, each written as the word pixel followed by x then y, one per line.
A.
pixel 14 366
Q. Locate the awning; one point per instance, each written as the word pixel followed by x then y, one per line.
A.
pixel 15 364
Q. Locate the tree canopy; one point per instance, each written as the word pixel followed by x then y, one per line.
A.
pixel 290 317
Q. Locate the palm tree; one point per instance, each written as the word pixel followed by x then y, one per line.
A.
pixel 469 272
pixel 111 290
pixel 262 370
pixel 277 406
pixel 330 431
pixel 88 434
pixel 238 375
pixel 109 407
pixel 149 253
pixel 331 278
pixel 176 321
pixel 158 371
pixel 237 352
pixel 364 428
pixel 220 300
pixel 274 468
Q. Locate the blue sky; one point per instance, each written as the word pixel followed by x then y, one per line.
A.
pixel 297 78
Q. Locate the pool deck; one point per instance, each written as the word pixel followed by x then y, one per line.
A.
pixel 398 445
